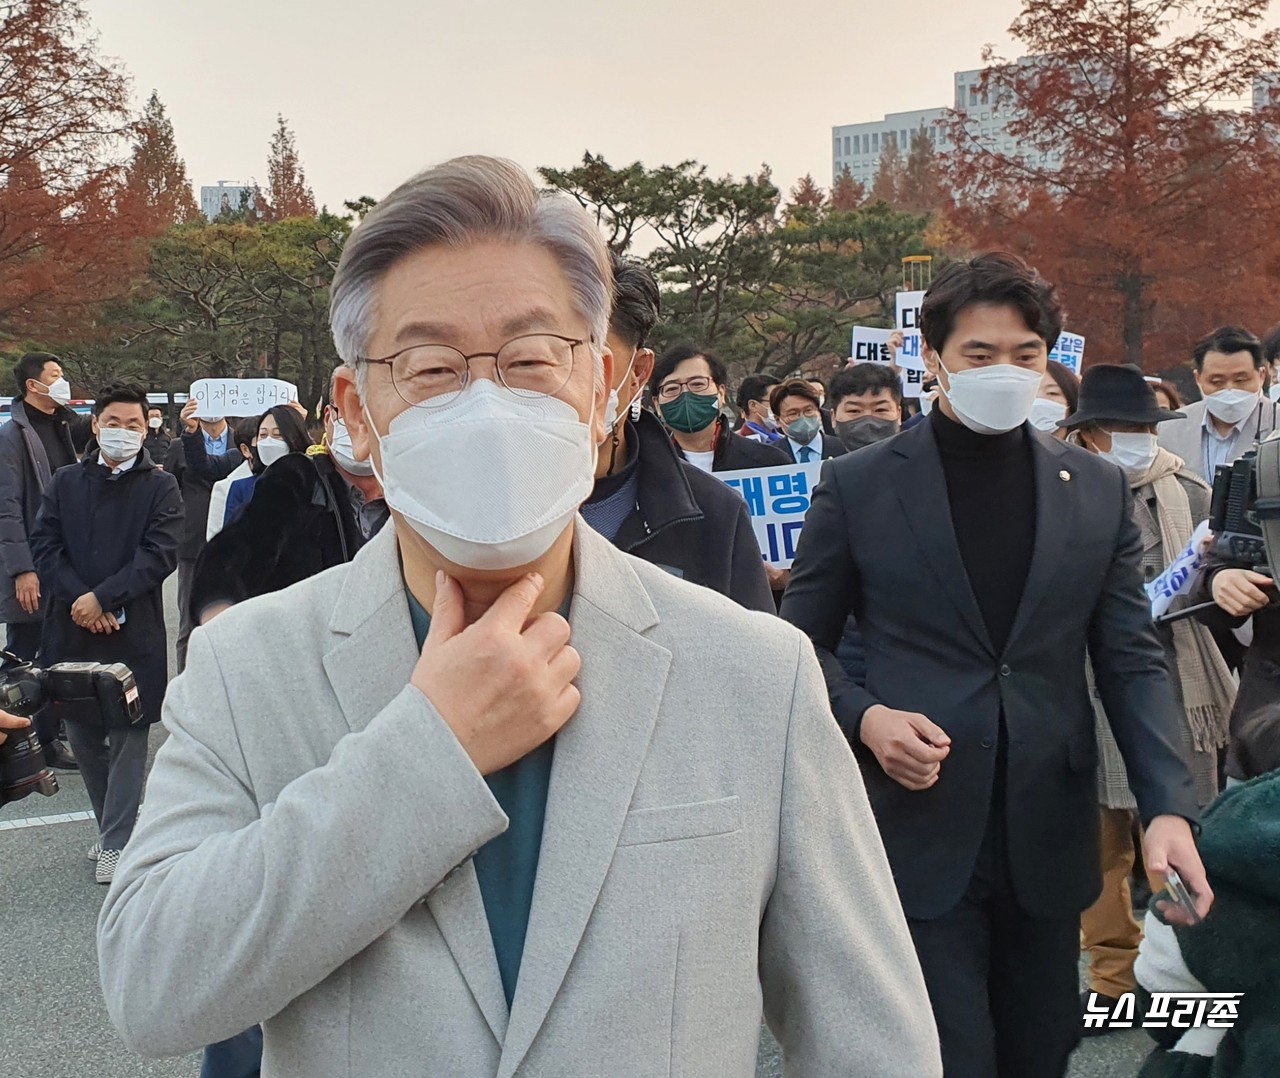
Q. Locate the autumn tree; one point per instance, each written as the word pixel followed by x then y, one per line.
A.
pixel 919 187
pixel 287 193
pixel 1129 186
pixel 64 117
pixel 847 194
pixel 889 172
pixel 156 184
pixel 806 200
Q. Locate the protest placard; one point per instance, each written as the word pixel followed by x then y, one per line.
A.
pixel 218 397
pixel 777 501
pixel 908 305
pixel 1069 351
pixel 871 346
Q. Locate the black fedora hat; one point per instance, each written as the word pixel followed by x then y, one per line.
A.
pixel 1115 394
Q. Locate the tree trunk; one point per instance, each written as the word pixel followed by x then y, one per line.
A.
pixel 1134 312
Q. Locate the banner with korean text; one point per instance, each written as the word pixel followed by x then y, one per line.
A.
pixel 777 501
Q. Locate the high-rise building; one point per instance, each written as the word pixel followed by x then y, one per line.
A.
pixel 224 198
pixel 858 147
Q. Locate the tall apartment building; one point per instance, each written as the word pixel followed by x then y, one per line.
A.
pixel 222 198
pixel 857 147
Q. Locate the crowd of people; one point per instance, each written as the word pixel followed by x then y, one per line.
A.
pixel 496 798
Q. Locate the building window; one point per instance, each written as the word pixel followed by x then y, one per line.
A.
pixel 973 96
pixel 905 141
pixel 875 143
pixel 866 143
pixel 846 146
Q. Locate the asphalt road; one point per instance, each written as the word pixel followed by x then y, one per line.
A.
pixel 53 1023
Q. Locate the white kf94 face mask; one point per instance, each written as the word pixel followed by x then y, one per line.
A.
pixel 1047 414
pixel 994 399
pixel 345 453
pixel 1232 405
pixel 1135 453
pixel 490 479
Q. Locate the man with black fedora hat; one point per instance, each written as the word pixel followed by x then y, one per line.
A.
pixel 1117 419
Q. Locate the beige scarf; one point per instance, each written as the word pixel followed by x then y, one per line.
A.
pixel 1208 689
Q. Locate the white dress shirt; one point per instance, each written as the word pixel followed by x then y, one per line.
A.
pixel 1219 449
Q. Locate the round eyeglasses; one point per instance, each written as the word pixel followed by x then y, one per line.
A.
pixel 430 375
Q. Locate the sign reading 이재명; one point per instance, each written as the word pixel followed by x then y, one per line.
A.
pixel 777 501
pixel 219 397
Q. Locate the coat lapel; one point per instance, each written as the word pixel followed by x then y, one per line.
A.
pixel 369 665
pixel 1055 517
pixel 922 490
pixel 598 758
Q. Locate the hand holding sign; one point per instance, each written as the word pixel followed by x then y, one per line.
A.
pixel 217 398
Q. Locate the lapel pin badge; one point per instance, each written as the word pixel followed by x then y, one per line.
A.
pixel 1065 475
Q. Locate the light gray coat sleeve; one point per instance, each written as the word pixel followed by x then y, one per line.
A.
pixel 843 990
pixel 223 911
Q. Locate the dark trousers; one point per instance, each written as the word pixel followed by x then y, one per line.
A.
pixel 113 764
pixel 1004 985
pixel 186 574
pixel 236 1057
pixel 24 640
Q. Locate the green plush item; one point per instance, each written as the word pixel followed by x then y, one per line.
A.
pixel 1237 948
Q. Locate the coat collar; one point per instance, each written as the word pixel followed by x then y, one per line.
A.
pixel 598 758
pixel 663 493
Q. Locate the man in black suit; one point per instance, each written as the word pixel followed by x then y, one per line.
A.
pixel 981 558
pixel 799 409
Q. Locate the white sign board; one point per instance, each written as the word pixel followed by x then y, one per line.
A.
pixel 777 501
pixel 1069 351
pixel 871 346
pixel 909 309
pixel 219 397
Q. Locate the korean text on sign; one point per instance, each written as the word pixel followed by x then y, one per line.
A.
pixel 777 501
pixel 218 397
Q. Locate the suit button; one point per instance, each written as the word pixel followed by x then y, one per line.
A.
pixel 987 742
pixel 1005 671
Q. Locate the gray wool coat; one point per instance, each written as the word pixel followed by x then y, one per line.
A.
pixel 303 854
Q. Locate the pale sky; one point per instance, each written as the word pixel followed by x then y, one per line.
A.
pixel 377 89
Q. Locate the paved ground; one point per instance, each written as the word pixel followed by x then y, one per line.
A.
pixel 53 1023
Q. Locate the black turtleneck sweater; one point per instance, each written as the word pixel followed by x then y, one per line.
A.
pixel 991 489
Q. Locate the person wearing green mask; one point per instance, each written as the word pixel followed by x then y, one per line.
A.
pixel 799 409
pixel 688 387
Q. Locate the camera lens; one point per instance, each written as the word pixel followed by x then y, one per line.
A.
pixel 22 768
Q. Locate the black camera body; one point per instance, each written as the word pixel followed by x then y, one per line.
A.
pixel 1244 514
pixel 103 692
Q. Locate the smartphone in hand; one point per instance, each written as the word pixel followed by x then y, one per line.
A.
pixel 1175 891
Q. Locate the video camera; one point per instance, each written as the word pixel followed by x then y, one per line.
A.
pixel 1244 514
pixel 109 690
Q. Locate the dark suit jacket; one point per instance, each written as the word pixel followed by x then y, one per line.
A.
pixel 196 472
pixel 878 541
pixel 832 447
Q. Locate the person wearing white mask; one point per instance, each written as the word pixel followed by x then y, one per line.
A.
pixel 1057 399
pixel 44 435
pixel 1235 413
pixel 106 539
pixel 980 557
pixel 1117 419
pixel 505 807
pixel 1271 354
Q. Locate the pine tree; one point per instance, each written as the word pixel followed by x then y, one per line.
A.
pixel 287 193
pixel 156 183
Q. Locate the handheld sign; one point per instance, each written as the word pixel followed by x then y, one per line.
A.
pixel 872 346
pixel 1069 351
pixel 908 305
pixel 219 397
pixel 777 501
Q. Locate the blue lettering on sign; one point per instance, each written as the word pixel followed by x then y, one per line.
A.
pixel 788 493
pixel 752 491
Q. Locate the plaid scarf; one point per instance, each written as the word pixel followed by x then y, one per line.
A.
pixel 1208 689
